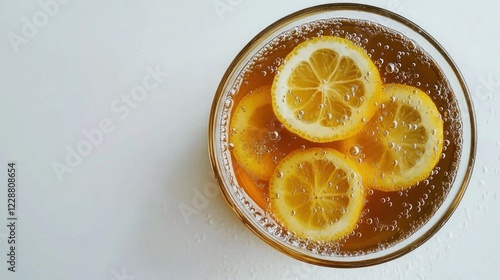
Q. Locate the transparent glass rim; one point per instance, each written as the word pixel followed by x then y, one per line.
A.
pixel 466 164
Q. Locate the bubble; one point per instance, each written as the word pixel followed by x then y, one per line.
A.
pixel 233 92
pixel 354 151
pixel 228 103
pixel 412 126
pixel 274 135
pixel 275 159
pixel 394 124
pixel 391 68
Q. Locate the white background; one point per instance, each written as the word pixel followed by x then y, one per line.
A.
pixel 116 213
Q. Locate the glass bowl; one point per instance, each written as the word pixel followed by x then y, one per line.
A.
pixel 456 109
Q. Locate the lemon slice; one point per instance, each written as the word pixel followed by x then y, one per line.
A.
pixel 325 89
pixel 253 187
pixel 259 139
pixel 317 194
pixel 403 141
